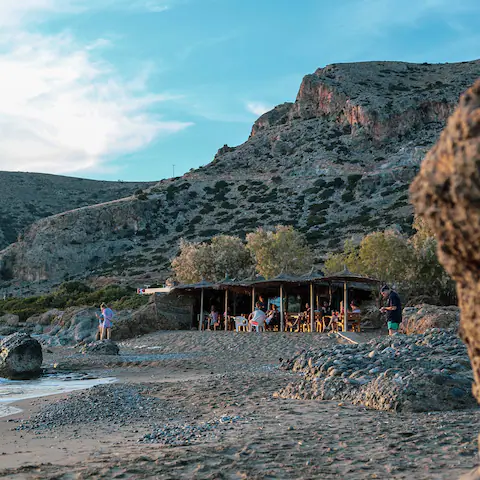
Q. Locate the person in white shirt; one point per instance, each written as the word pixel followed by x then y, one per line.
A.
pixel 256 318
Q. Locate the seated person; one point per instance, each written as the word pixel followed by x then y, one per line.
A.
pixel 333 323
pixel 326 309
pixel 214 318
pixel 273 316
pixel 354 308
pixel 307 310
pixel 256 318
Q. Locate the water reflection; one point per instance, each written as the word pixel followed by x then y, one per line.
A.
pixel 12 391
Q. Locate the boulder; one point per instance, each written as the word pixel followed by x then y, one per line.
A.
pixel 420 318
pixel 10 319
pixel 102 347
pixel 163 312
pixel 47 318
pixel 74 325
pixel 20 357
pixel 7 330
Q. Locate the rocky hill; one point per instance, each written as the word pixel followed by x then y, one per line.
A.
pixel 336 164
pixel 27 197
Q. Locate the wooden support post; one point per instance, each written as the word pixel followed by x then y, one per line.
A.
pixel 281 308
pixel 345 306
pixel 200 323
pixel 226 309
pixel 253 299
pixel 312 308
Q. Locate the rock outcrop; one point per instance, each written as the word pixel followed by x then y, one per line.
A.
pixel 20 357
pixel 420 318
pixel 381 374
pixel 10 319
pixel 336 163
pixel 80 324
pixel 166 312
pixel 447 194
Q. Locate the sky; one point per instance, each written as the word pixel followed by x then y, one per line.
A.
pixel 140 90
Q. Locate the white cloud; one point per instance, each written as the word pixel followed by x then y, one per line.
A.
pixel 258 108
pixel 63 110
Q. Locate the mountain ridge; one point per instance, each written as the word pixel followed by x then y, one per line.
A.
pixel 27 197
pixel 335 164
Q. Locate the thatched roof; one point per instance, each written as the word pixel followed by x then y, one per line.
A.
pixel 347 276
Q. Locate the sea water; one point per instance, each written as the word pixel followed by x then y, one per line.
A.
pixel 13 391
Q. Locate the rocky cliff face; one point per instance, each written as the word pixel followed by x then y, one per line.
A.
pixel 27 197
pixel 335 164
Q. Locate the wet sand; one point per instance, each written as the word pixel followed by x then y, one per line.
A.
pixel 235 375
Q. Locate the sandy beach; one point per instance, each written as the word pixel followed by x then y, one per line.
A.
pixel 210 413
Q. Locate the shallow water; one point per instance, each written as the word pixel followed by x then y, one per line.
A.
pixel 12 391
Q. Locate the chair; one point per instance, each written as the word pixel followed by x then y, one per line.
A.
pixel 260 327
pixel 291 323
pixel 319 322
pixel 305 323
pixel 354 321
pixel 336 325
pixel 241 323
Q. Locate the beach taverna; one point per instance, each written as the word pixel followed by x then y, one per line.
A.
pixel 288 292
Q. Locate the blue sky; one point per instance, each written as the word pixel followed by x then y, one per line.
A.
pixel 125 89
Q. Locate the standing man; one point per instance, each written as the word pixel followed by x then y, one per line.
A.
pixel 393 309
pixel 262 304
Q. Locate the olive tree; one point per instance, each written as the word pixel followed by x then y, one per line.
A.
pixel 409 263
pixel 280 250
pixel 224 255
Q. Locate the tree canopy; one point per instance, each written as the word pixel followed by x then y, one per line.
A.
pixel 224 255
pixel 281 250
pixel 409 263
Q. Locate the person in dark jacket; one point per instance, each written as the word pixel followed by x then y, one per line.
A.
pixel 393 309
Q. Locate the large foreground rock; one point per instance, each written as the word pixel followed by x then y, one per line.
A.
pixel 447 194
pixel 420 318
pixel 20 357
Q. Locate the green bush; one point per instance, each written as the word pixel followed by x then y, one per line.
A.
pixel 320 183
pixel 327 193
pixel 348 197
pixel 319 207
pixel 315 220
pixel 207 208
pixel 68 295
pixel 352 180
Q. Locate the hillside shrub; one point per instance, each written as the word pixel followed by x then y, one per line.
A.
pixel 73 294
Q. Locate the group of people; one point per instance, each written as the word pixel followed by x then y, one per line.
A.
pixel 261 317
pixel 270 318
